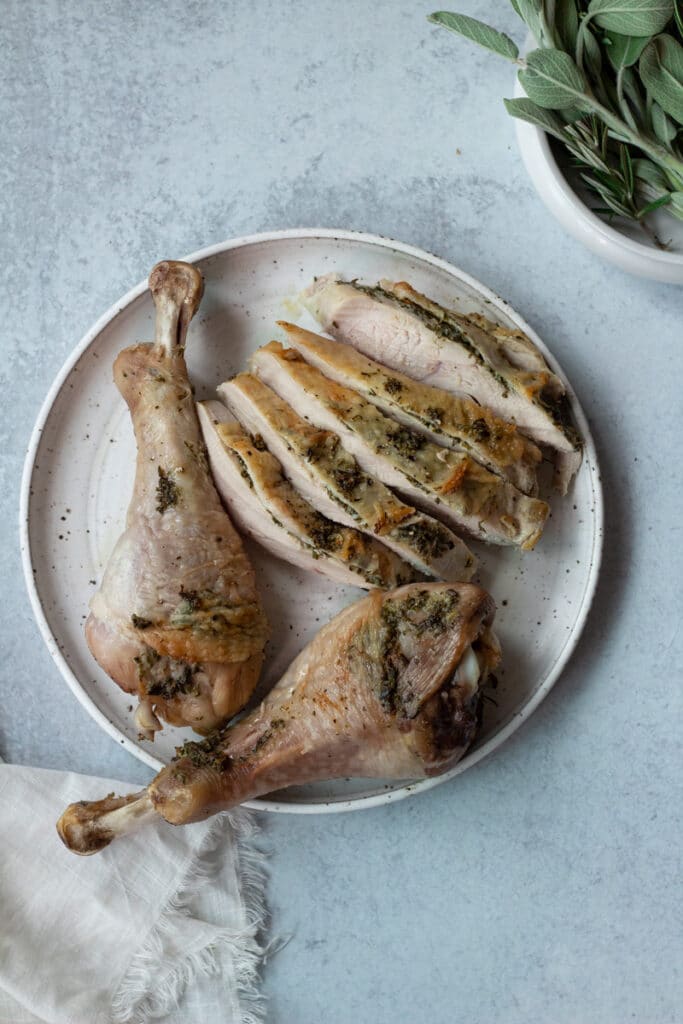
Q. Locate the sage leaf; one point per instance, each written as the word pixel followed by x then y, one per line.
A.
pixel 661 69
pixel 526 110
pixel 552 80
pixel 567 23
pixel 529 12
pixel 627 113
pixel 632 17
pixel 664 129
pixel 570 114
pixel 671 55
pixel 478 32
pixel 607 82
pixel 624 51
pixel 647 171
pixel 629 82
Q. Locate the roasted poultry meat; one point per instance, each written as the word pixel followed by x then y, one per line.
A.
pixel 177 619
pixel 330 478
pixel 500 369
pixel 446 419
pixel 390 688
pixel 266 507
pixel 446 483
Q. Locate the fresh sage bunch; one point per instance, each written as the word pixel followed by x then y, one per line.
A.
pixel 607 82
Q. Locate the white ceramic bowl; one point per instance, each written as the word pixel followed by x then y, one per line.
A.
pixel 628 252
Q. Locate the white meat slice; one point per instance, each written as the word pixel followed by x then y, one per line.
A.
pixel 267 508
pixel 446 419
pixel 332 481
pixel 447 483
pixel 403 329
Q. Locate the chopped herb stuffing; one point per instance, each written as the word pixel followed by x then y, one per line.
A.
pixel 163 676
pixel 325 534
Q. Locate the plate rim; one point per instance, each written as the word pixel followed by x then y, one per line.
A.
pixel 590 457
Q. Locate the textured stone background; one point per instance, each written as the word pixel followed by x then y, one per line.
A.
pixel 542 885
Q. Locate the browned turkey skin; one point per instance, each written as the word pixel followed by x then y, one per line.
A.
pixel 390 688
pixel 177 619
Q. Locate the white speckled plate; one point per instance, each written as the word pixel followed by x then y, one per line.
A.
pixel 79 473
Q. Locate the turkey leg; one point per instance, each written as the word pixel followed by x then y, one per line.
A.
pixel 177 619
pixel 390 688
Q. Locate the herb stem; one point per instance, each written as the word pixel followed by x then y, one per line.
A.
pixel 657 152
pixel 623 102
pixel 579 41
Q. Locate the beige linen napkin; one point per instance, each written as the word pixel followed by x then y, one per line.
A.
pixel 162 925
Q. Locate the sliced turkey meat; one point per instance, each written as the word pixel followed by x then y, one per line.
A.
pixel 447 483
pixel 447 419
pixel 264 506
pixel 405 330
pixel 332 481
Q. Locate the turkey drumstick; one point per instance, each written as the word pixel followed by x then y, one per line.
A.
pixel 177 619
pixel 390 688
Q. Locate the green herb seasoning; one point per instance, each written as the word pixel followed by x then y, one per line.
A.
pixel 198 453
pixel 559 410
pixel 167 491
pixel 139 622
pixel 479 430
pixel 393 386
pixel 190 601
pixel 407 442
pixel 390 661
pixel 204 753
pixel 382 649
pixel 325 534
pixel 265 737
pixel 434 415
pixel 146 661
pixel 347 480
pixel 430 540
pixel 162 676
pixel 179 680
pixel 342 504
pixel 244 472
